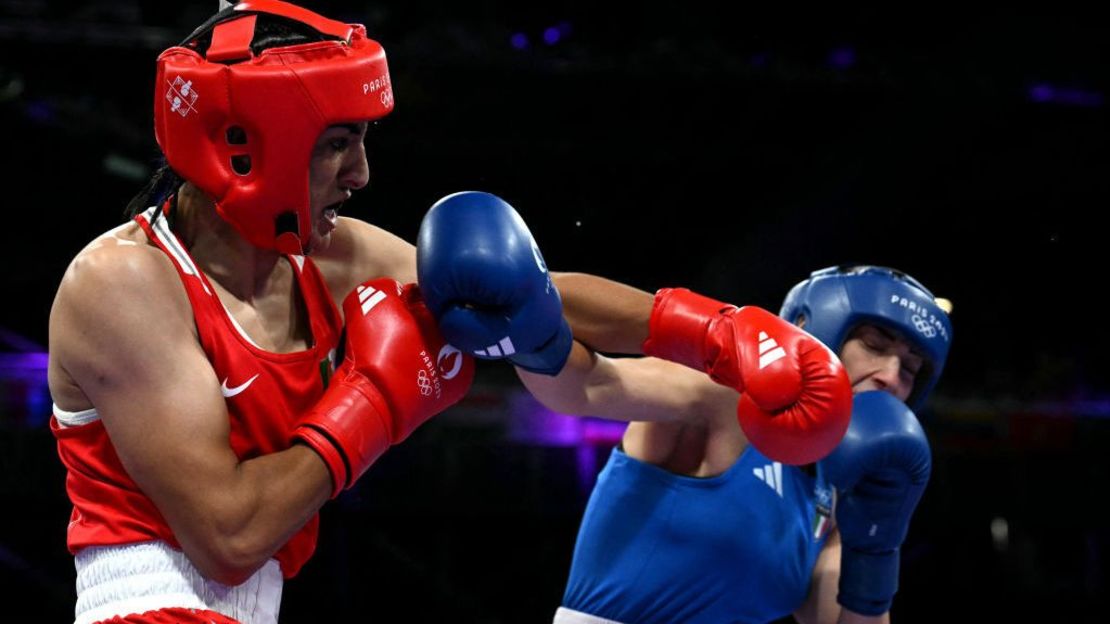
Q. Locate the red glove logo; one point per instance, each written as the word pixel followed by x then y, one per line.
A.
pixel 449 361
pixel 769 351
pixel 368 297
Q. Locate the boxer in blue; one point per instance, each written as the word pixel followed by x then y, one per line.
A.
pixel 691 519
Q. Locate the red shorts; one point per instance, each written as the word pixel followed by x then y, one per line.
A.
pixel 173 615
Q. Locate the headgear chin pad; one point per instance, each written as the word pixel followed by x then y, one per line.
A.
pixel 838 299
pixel 241 126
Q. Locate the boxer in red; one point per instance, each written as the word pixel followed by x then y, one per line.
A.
pixel 197 409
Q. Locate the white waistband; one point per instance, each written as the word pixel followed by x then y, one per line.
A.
pixel 564 615
pixel 135 578
pixel 75 419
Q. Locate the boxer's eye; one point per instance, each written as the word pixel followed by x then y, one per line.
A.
pixel 875 343
pixel 912 364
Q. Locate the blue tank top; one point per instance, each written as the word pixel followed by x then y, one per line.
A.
pixel 659 547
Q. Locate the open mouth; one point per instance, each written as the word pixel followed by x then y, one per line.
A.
pixel 331 213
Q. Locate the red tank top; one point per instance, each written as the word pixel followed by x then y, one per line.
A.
pixel 265 394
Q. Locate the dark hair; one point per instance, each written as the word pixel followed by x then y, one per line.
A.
pixel 270 31
pixel 162 184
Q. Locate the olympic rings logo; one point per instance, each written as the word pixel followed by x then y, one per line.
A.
pixel 923 326
pixel 423 382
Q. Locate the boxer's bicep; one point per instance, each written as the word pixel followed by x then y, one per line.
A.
pixel 123 333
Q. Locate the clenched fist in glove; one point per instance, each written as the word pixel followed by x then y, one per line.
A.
pixel 397 372
pixel 796 397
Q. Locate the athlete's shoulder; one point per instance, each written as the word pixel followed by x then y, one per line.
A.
pixel 116 269
pixel 121 255
pixel 118 295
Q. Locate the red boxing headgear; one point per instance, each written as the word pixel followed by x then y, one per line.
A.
pixel 241 126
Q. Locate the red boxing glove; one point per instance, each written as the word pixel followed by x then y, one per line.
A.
pixel 797 399
pixel 397 372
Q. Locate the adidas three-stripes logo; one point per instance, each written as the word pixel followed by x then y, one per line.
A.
pixel 769 351
pixel 369 297
pixel 503 348
pixel 771 474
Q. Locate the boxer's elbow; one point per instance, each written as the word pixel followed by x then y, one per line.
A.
pixel 228 560
pixel 229 544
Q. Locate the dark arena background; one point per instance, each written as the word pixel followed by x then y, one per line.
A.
pixel 726 148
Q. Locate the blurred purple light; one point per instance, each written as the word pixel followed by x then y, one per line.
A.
pixel 24 393
pixel 530 422
pixel 533 423
pixel 1094 408
pixel 1040 93
pixel 1044 93
pixel 23 364
pixel 586 461
pixel 40 111
pixel 1080 98
pixel 603 432
pixel 842 58
pixel 760 59
pixel 519 41
pixel 551 35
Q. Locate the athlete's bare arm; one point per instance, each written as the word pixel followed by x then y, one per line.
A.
pixel 629 389
pixel 122 339
pixel 605 315
pixel 680 419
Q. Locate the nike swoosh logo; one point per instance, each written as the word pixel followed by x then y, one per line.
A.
pixel 230 392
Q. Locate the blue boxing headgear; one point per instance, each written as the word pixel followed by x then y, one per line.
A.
pixel 835 300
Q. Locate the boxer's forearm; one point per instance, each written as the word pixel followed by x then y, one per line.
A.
pixel 607 316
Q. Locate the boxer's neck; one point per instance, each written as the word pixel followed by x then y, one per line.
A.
pixel 218 249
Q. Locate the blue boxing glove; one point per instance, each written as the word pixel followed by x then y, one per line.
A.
pixel 484 279
pixel 880 469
